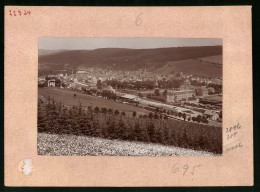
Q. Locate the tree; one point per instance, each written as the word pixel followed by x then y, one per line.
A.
pixel 199 118
pixel 156 92
pixel 104 110
pixel 41 118
pixel 116 112
pixel 134 113
pixel 80 108
pixel 111 129
pixel 184 116
pixel 220 114
pixel 121 129
pixel 165 93
pixel 99 84
pixel 151 130
pixel 150 115
pixel 110 111
pixel 123 113
pixel 145 116
pixel 156 116
pixel 96 109
pixel 184 139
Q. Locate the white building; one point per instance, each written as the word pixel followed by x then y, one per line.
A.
pixel 51 83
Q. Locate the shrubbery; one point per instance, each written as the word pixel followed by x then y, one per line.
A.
pixel 106 123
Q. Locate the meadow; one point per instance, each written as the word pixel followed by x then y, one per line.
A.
pixel 67 97
pixel 56 144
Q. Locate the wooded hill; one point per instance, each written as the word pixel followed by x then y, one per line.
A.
pixel 160 60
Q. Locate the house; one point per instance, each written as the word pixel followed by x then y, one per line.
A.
pixel 110 88
pixel 75 79
pixel 186 85
pixel 202 91
pixel 81 72
pixel 41 81
pixel 217 81
pixel 212 100
pixel 71 85
pixel 51 83
pixel 176 96
pixel 211 90
pixel 211 114
pixel 128 97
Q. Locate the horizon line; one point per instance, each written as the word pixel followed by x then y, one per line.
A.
pixel 129 48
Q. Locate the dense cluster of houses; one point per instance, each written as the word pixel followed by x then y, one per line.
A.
pixel 88 79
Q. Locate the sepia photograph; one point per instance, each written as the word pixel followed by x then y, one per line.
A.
pixel 129 96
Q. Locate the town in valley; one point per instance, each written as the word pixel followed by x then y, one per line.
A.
pixel 182 96
pixel 140 98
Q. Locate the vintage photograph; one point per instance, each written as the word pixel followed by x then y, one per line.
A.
pixel 129 96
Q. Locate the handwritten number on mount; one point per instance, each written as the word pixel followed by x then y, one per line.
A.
pixel 138 20
pixel 175 169
pixel 194 169
pixel 185 168
pixel 12 12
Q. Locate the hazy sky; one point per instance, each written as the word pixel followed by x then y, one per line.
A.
pixel 135 43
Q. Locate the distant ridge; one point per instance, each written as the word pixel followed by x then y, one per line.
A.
pixel 129 59
pixel 48 52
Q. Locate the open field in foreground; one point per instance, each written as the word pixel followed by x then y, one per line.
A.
pixel 66 96
pixel 53 145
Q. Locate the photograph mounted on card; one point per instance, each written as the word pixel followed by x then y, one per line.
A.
pixel 114 96
pixel 130 96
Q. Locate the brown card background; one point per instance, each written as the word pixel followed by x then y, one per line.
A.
pixel 232 24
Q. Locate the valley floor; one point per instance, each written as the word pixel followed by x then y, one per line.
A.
pixel 71 145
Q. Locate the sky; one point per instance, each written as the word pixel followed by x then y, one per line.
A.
pixel 80 43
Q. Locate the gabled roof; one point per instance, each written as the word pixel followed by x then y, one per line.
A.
pixel 128 96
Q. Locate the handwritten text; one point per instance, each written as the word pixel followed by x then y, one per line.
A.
pixel 19 12
pixel 185 169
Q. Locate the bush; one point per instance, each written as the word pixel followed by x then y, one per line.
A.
pixel 116 112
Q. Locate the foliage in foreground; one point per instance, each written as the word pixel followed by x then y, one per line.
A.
pixel 106 123
pixel 70 145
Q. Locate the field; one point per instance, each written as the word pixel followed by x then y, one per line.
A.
pixel 191 66
pixel 66 97
pixel 54 144
pixel 213 59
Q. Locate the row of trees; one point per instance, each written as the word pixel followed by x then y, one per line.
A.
pixel 138 85
pixel 104 93
pixel 55 118
pixel 162 84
